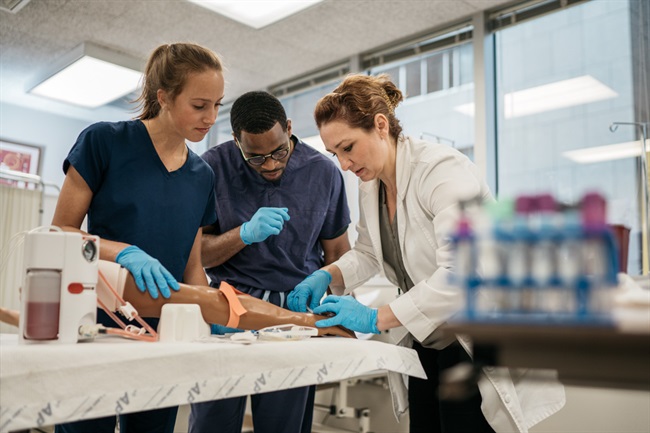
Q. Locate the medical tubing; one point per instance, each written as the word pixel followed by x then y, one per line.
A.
pixel 144 324
pixel 123 302
pixel 136 316
pixel 111 314
pixel 124 332
pixel 90 331
pixel 17 240
pixel 127 334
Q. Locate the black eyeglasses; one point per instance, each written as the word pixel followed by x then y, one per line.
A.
pixel 258 160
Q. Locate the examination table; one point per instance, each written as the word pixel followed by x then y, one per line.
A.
pixel 47 384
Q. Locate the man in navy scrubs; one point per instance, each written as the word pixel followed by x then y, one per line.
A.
pixel 282 214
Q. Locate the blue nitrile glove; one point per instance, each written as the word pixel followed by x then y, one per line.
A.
pixel 311 290
pixel 147 272
pixel 267 221
pixel 350 313
pixel 217 329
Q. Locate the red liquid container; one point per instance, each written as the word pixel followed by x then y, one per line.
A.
pixel 44 323
pixel 43 301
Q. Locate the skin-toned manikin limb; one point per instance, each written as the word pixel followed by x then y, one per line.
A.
pixel 9 316
pixel 215 308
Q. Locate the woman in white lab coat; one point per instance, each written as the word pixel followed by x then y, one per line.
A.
pixel 409 196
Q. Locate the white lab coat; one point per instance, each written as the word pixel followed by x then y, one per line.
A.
pixel 431 179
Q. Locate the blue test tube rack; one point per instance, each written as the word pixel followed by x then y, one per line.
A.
pixel 547 262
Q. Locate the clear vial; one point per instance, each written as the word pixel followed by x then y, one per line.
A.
pixel 42 297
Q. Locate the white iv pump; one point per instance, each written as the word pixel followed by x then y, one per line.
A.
pixel 59 287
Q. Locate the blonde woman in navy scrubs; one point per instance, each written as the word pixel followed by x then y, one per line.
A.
pixel 146 194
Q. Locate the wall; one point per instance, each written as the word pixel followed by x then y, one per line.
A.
pixel 55 134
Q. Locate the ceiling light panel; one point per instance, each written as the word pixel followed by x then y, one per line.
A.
pixel 90 77
pixel 553 96
pixel 548 97
pixel 610 152
pixel 12 6
pixel 256 13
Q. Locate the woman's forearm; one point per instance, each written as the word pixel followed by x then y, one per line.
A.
pixel 337 285
pixel 9 316
pixel 386 319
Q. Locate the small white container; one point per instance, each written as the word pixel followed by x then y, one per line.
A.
pixel 182 322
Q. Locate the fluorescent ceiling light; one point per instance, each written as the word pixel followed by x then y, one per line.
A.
pixel 610 152
pixel 90 76
pixel 12 6
pixel 256 13
pixel 553 96
pixel 548 97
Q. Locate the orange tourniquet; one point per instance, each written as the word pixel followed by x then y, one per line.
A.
pixel 236 308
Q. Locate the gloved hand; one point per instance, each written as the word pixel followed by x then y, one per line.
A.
pixel 350 313
pixel 311 290
pixel 267 221
pixel 147 272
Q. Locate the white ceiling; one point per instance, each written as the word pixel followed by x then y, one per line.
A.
pixel 44 30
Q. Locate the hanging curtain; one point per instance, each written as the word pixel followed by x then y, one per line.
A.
pixel 19 212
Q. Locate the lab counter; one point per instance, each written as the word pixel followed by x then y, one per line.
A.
pixel 46 384
pixel 596 356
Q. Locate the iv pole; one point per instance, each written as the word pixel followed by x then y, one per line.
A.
pixel 645 185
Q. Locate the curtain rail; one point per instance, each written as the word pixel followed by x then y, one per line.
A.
pixel 26 177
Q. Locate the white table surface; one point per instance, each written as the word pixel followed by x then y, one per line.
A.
pixel 45 384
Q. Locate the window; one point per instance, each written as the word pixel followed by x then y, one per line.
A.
pixel 413 74
pixel 221 131
pixel 300 108
pixel 434 84
pixel 435 81
pixel 562 79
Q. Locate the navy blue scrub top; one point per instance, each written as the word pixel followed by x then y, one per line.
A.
pixel 135 199
pixel 311 187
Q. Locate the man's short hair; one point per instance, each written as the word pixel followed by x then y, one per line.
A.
pixel 256 112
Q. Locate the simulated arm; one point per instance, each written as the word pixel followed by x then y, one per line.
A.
pixel 9 316
pixel 216 308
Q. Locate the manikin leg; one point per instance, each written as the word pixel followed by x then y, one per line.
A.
pixel 216 309
pixel 9 316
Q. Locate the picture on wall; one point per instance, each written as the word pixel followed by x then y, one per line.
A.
pixel 21 158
